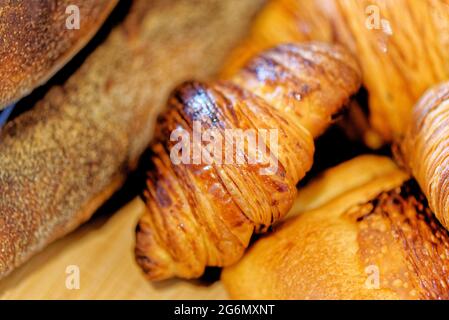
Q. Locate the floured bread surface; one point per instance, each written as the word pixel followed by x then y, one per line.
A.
pixel 39 37
pixel 62 159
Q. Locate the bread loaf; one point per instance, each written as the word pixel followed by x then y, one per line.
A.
pixel 62 159
pixel 36 40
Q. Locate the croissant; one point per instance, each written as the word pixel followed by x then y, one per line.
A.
pixel 425 148
pixel 371 240
pixel 205 214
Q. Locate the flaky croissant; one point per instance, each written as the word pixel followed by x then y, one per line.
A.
pixel 374 239
pixel 204 215
pixel 425 149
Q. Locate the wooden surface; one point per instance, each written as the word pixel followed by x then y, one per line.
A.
pixel 103 251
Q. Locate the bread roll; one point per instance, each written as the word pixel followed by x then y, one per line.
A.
pixel 36 41
pixel 375 241
pixel 62 159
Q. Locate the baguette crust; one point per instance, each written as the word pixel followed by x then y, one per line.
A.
pixel 63 158
pixel 35 42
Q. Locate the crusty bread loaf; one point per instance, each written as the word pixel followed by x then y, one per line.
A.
pixel 36 42
pixel 377 240
pixel 63 158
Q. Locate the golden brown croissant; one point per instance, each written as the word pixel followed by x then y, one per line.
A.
pixel 374 240
pixel 204 215
pixel 401 45
pixel 425 149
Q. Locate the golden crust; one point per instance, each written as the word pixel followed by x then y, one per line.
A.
pixel 364 170
pixel 425 148
pixel 204 215
pixel 402 47
pixel 280 21
pixel 304 72
pixel 381 244
pixel 63 158
pixel 403 50
pixel 35 42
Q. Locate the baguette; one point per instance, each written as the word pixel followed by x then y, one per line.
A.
pixel 62 159
pixel 397 67
pixel 35 41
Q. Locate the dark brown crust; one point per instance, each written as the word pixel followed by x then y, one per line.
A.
pixel 63 158
pixel 35 42
pixel 204 214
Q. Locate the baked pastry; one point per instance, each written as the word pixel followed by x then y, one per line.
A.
pixel 397 69
pixel 333 182
pixel 204 214
pixel 64 157
pixel 377 240
pixel 402 48
pixel 425 148
pixel 280 21
pixel 37 41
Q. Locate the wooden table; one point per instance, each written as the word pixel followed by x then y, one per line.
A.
pixel 103 251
